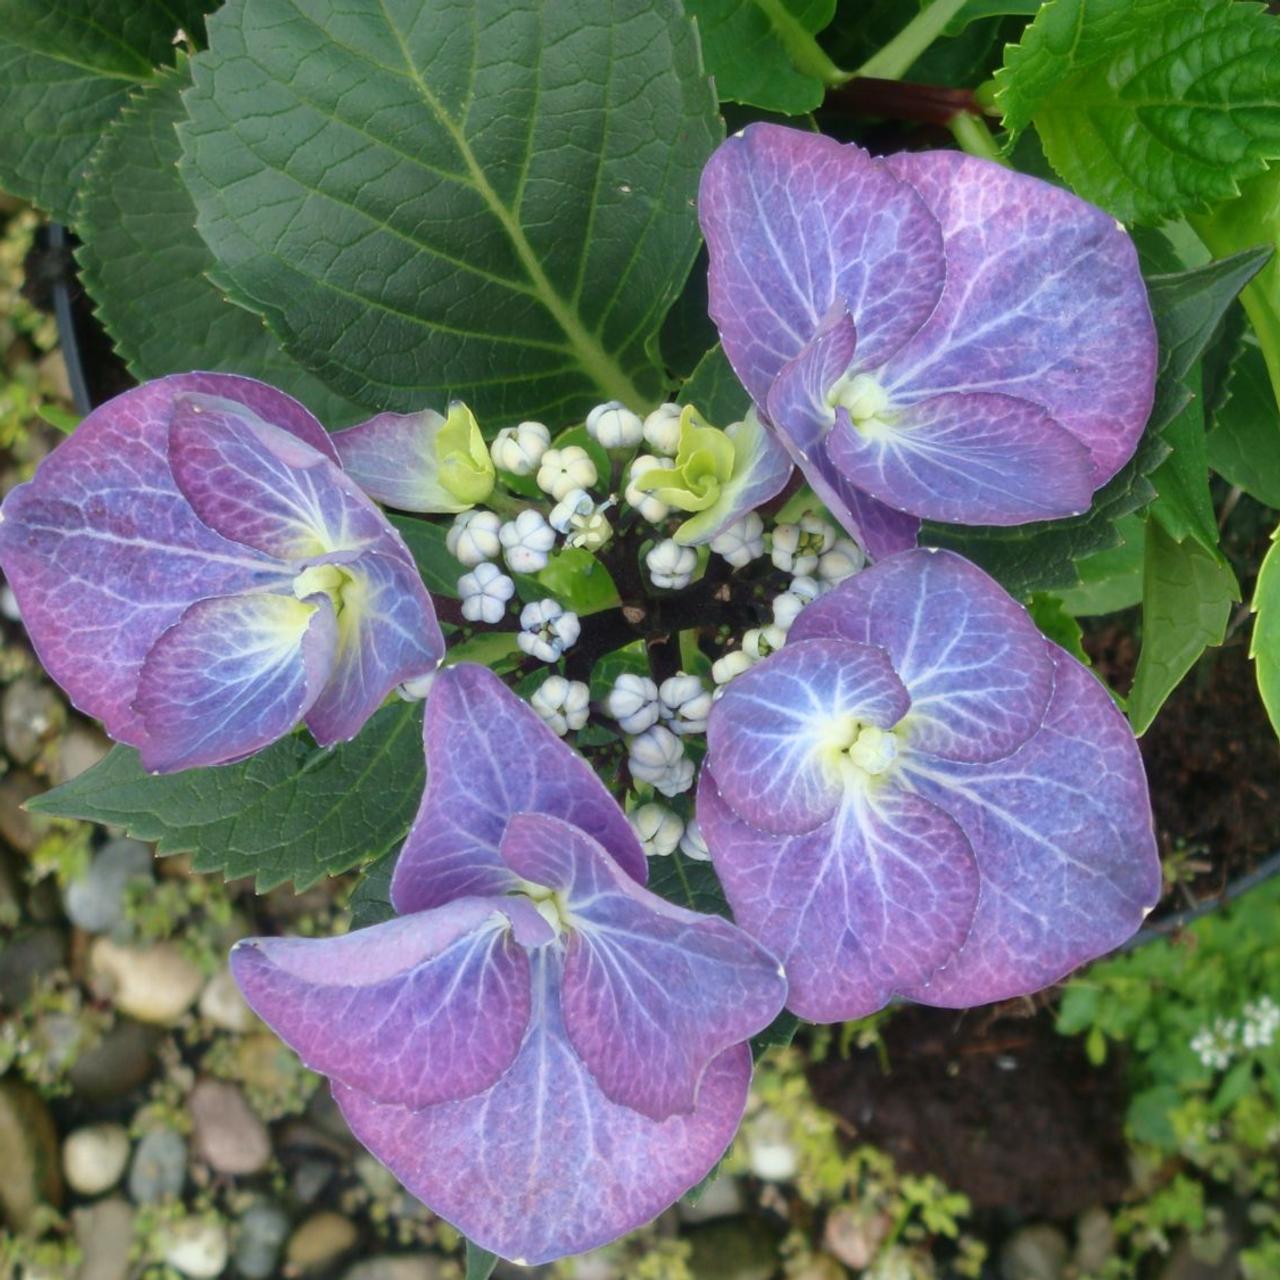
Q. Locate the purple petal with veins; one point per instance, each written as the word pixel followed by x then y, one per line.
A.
pixel 490 757
pixel 392 458
pixel 974 456
pixel 1043 301
pixel 423 1009
pixel 231 676
pixel 978 670
pixel 796 223
pixel 869 904
pixel 543 1164
pixel 775 735
pixel 652 993
pixel 1062 831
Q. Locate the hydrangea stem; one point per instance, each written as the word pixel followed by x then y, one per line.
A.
pixel 972 135
pixel 806 54
pixel 893 61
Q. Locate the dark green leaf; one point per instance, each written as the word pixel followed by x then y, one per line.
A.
pixel 489 200
pixel 631 658
pixel 426 542
pixel 1244 445
pixel 370 901
pixel 294 812
pixel 66 69
pixel 762 52
pixel 1110 580
pixel 1149 108
pixel 1052 617
pixel 1187 596
pixel 714 390
pixel 1264 647
pixel 480 1262
pixel 144 265
pixel 688 883
pixel 778 1034
pixel 1183 504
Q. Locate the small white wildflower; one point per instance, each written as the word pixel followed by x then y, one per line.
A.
pixel 658 829
pixel 843 560
pixel 473 537
pixel 1215 1045
pixel 742 542
pixel 653 754
pixel 614 426
pixel 685 703
pixel 633 702
pixel 692 845
pixel 662 429
pixel 519 449
pixel 649 505
pixel 731 664
pixel 670 565
pixel 485 592
pixel 1261 1022
pixel 527 541
pixel 547 630
pixel 562 470
pixel 562 704
pixel 760 642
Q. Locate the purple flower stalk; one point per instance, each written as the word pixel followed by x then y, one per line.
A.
pixel 931 335
pixel 920 795
pixel 541 1050
pixel 195 569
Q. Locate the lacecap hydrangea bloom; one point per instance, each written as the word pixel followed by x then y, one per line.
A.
pixel 921 796
pixel 930 334
pixel 197 571
pixel 542 1051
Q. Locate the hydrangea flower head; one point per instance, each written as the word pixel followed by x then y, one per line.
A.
pixel 920 795
pixel 544 1052
pixel 930 334
pixel 197 571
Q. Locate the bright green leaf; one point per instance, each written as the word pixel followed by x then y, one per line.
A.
pixel 1244 445
pixel 1053 619
pixel 66 69
pixel 1187 596
pixel 1149 107
pixel 491 201
pixel 294 812
pixel 1264 647
pixel 1110 580
pixel 144 265
pixel 579 582
pixel 976 10
pixel 496 649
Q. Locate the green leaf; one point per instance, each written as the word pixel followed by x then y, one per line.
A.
pixel 499 650
pixel 1051 616
pixel 370 901
pixel 630 659
pixel 688 883
pixel 1148 107
pixel 66 69
pixel 480 1262
pixel 1184 505
pixel 426 542
pixel 1264 647
pixel 976 10
pixel 294 812
pixel 1244 445
pixel 1110 580
pixel 145 267
pixel 714 390
pixel 762 52
pixel 491 201
pixel 579 581
pixel 1187 596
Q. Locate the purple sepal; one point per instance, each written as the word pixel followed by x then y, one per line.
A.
pixel 543 1164
pixel 652 993
pixel 235 669
pixel 423 1009
pixel 392 457
pixel 490 757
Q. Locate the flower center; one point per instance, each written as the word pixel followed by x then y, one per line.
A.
pixel 324 580
pixel 550 904
pixel 866 400
pixel 867 749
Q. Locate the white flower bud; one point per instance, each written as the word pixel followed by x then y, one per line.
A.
pixel 485 592
pixel 786 609
pixel 731 664
pixel 581 521
pixel 519 449
pixel 677 780
pixel 614 426
pixel 760 642
pixel 562 704
pixel 692 845
pixel 473 537
pixel 670 565
pixel 742 542
pixel 662 429
pixel 653 754
pixel 797 547
pixel 577 502
pixel 658 829
pixel 685 703
pixel 547 630
pixel 843 560
pixel 633 702
pixel 649 505
pixel 526 541
pixel 562 470
pixel 807 588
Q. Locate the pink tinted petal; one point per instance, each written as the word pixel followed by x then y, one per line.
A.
pixel 104 553
pixel 1063 836
pixel 771 733
pixel 1043 301
pixel 543 1164
pixel 392 458
pixel 652 993
pixel 231 676
pixel 979 672
pixel 868 905
pixel 423 1009
pixel 972 458
pixel 490 757
pixel 795 223
pixel 260 486
pixel 798 409
pixel 387 635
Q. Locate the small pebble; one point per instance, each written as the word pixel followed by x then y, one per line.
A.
pixel 93 1158
pixel 223 1005
pixel 159 1168
pixel 104 1232
pixel 319 1241
pixel 228 1134
pixel 32 714
pixel 96 902
pixel 264 1227
pixel 197 1247
pixel 1035 1252
pixel 156 984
